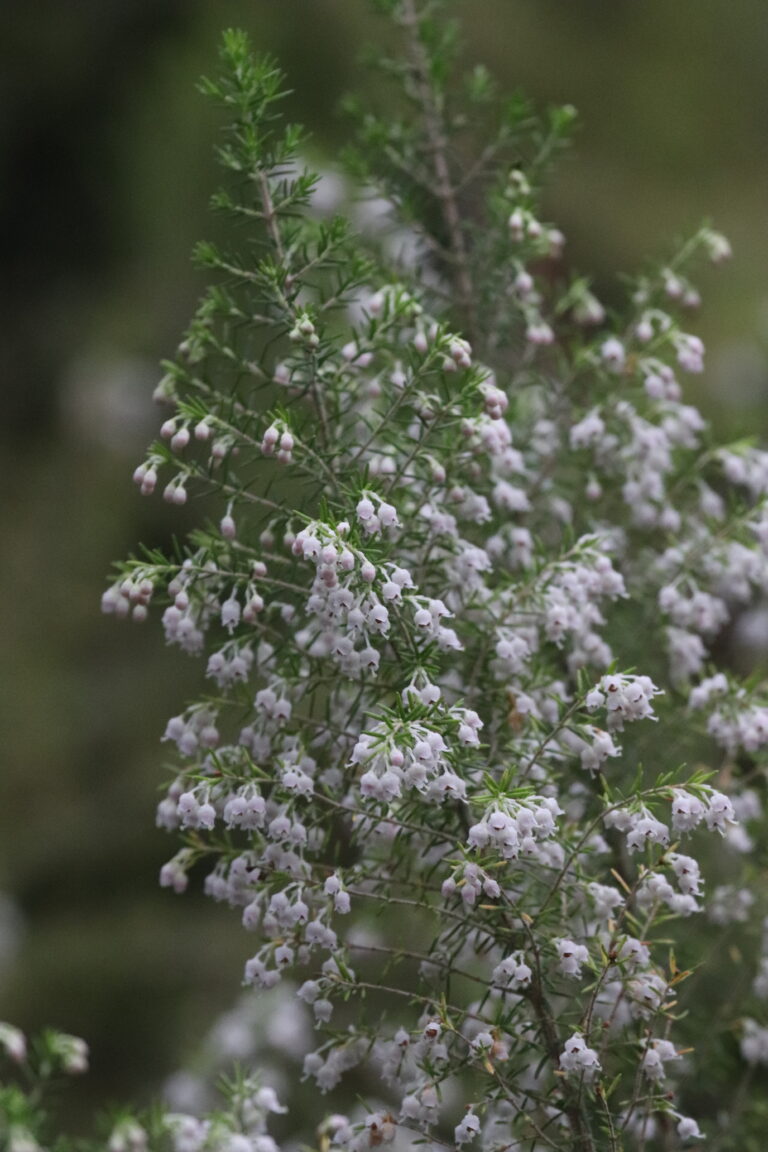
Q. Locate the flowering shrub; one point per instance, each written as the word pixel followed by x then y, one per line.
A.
pixel 466 763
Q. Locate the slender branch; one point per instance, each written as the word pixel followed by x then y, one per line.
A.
pixel 270 217
pixel 444 189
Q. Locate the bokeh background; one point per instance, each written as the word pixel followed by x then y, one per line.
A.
pixel 107 170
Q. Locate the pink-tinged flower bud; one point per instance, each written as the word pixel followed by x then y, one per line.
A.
pixel 539 334
pixel 718 247
pixel 376 303
pixel 460 352
pixel 172 875
pixel 165 390
pixel 644 330
pixel 613 354
pixel 673 285
pixel 122 607
pixel 388 515
pixel 209 736
pixel 129 589
pixel 109 601
pixel 180 439
pixel 228 528
pixel 230 613
pixel 365 510
pixel 72 1051
pixel 516 224
pixel 420 342
pixel 594 489
pixel 149 482
pixel 167 428
pixel 555 241
pixel 252 608
pixel 14 1042
pixel 524 283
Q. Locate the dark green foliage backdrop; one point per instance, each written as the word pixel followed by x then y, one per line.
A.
pixel 107 174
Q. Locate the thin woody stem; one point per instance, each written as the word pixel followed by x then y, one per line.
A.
pixel 444 187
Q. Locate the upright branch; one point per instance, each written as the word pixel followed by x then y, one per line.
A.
pixel 431 100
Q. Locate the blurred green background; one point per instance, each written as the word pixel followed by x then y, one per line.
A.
pixel 107 170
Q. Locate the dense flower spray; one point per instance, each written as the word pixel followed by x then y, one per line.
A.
pixel 453 493
pixel 465 760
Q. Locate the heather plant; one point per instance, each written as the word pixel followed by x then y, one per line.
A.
pixel 469 767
